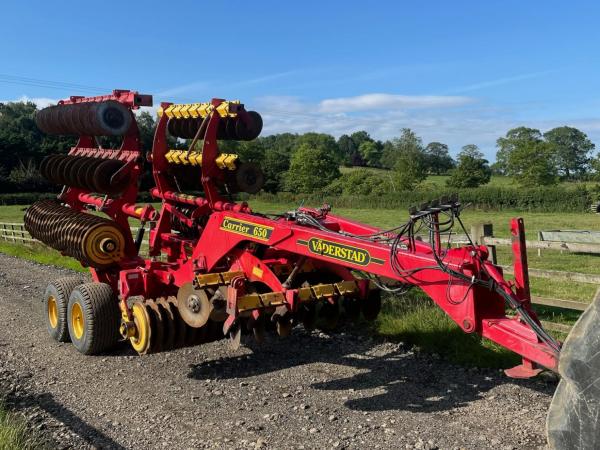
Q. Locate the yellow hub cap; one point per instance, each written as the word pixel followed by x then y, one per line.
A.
pixel 52 311
pixel 140 341
pixel 77 320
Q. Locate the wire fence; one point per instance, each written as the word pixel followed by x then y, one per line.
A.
pixel 16 233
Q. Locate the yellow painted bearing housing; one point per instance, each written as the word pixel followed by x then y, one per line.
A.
pixel 103 245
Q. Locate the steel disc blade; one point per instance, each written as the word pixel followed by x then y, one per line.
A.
pixel 249 129
pixel 329 314
pixel 230 128
pixel 103 177
pixel 193 305
pixel 168 322
pixel 284 327
pixel 372 305
pixel 180 325
pixel 249 178
pixel 235 337
pixel 257 326
pixel 351 307
pixel 309 315
pixel 156 345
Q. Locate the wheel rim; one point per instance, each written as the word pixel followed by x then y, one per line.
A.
pixel 52 311
pixel 140 341
pixel 77 320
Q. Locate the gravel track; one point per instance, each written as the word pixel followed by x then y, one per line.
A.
pixel 310 391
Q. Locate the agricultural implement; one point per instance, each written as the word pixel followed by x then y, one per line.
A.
pixel 216 269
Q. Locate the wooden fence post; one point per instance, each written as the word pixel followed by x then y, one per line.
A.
pixel 479 232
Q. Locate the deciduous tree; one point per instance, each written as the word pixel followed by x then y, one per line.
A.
pixel 311 169
pixel 571 148
pixel 472 169
pixel 438 158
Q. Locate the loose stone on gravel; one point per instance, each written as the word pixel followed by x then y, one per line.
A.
pixel 310 391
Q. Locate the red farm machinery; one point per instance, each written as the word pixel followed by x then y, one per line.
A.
pixel 217 269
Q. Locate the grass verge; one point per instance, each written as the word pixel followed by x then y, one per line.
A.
pixel 40 254
pixel 414 319
pixel 13 432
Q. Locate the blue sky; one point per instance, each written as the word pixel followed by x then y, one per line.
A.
pixel 456 72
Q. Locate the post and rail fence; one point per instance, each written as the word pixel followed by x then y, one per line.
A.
pixel 582 242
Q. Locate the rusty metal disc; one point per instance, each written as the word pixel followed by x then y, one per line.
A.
pixel 168 323
pixel 193 305
pixel 250 128
pixel 257 326
pixel 372 305
pixel 230 129
pixel 249 178
pixel 235 337
pixel 87 175
pixel 284 326
pixel 308 315
pixel 56 169
pixel 218 301
pixel 180 325
pixel 111 118
pixel 103 177
pixel 45 166
pixel 191 336
pixel 76 170
pixel 329 314
pixel 68 172
pixel 351 307
pixel 222 128
pixel 158 329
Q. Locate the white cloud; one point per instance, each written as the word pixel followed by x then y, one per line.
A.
pixel 390 101
pixel 480 124
pixel 41 102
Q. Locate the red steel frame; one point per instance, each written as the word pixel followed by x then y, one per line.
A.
pixel 124 206
pixel 474 309
pixel 283 242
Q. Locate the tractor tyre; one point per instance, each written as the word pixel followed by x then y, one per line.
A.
pixel 572 421
pixel 56 299
pixel 93 316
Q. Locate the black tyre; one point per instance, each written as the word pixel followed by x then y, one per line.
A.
pixel 572 421
pixel 56 299
pixel 93 317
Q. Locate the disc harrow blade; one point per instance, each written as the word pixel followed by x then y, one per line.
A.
pixel 107 118
pixel 95 241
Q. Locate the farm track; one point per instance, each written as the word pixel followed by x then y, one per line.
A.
pixel 311 391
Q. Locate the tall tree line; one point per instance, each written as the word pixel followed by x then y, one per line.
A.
pixel 314 162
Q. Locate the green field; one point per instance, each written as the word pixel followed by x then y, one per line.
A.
pixel 440 180
pixel 416 320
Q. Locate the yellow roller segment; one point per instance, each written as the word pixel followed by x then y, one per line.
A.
pixel 195 110
pixel 140 341
pixel 77 320
pixel 225 161
pixel 52 311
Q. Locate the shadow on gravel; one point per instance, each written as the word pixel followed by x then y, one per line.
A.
pixel 46 402
pixel 386 377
